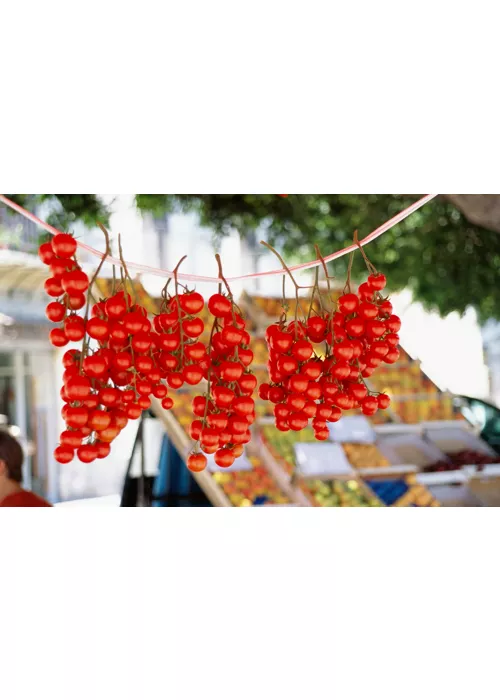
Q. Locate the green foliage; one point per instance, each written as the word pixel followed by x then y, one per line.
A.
pixel 448 263
pixel 66 209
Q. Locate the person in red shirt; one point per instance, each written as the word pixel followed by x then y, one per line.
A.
pixel 12 494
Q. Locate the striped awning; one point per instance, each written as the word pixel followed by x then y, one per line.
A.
pixel 20 272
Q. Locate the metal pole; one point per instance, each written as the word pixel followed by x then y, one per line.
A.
pixel 131 459
pixel 20 411
pixel 141 498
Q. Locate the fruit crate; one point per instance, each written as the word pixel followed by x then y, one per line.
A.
pixel 277 450
pixel 335 493
pixel 402 492
pixel 365 456
pixel 251 488
pixel 486 489
pixel 461 445
pixel 281 447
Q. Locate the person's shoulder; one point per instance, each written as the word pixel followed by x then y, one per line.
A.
pixel 37 500
pixel 24 499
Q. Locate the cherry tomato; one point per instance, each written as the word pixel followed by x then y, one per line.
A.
pixel 64 454
pixel 55 311
pixel 196 463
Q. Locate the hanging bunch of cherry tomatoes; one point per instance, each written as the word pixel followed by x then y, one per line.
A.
pixel 68 284
pixel 177 351
pixel 318 365
pixel 226 411
pixel 124 359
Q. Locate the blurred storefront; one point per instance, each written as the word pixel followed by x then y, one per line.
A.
pixel 27 397
pixel 491 344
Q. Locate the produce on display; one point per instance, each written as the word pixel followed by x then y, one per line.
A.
pixel 364 456
pixel 461 459
pixel 338 493
pixel 281 445
pixel 402 492
pixel 255 487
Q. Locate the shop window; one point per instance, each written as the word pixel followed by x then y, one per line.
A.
pixel 7 399
pixel 5 360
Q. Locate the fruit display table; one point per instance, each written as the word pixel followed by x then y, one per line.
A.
pixel 251 488
pixel 395 491
pixel 468 487
pixel 438 446
pixel 486 488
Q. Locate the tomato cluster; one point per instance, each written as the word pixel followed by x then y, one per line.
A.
pixel 180 355
pixel 131 361
pixel 226 412
pixel 309 385
pixel 106 387
pixel 68 284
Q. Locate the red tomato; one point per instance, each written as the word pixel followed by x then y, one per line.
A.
pixel 76 416
pixel 219 306
pixel 103 449
pixel 64 454
pixel 224 458
pixel 192 374
pixel 196 463
pixel 53 287
pixel 75 301
pixel 87 453
pixel 98 328
pixel 46 253
pixel 74 328
pixel 193 327
pixel 75 281
pixel 55 311
pixel 192 302
pixel 95 365
pixel 71 438
pixel 64 245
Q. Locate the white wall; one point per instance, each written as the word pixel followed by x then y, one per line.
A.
pixel 451 348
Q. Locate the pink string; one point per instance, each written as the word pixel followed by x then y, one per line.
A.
pixel 146 269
